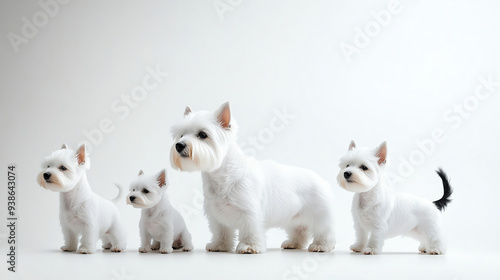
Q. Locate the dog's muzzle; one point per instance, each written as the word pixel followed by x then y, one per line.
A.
pixel 181 149
pixel 46 176
pixel 347 175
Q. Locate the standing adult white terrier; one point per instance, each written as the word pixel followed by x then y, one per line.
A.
pixel 161 227
pixel 249 195
pixel 382 214
pixel 83 213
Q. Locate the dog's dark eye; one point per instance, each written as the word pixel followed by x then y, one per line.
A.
pixel 347 166
pixel 202 135
pixel 145 191
pixel 363 167
pixel 63 168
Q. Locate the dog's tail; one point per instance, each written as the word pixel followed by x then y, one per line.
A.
pixel 120 194
pixel 447 191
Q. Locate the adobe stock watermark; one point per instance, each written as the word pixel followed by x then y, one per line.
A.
pixel 121 275
pixel 123 105
pixel 364 36
pixel 306 268
pixel 225 6
pixel 31 26
pixel 277 124
pixel 194 209
pixel 453 119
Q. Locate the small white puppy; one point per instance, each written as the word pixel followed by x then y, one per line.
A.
pixel 241 193
pixel 381 213
pixel 160 223
pixel 83 213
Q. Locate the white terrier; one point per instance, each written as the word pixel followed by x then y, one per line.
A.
pixel 249 195
pixel 83 213
pixel 378 211
pixel 160 222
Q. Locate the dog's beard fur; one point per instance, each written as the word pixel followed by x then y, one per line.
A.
pixel 144 201
pixel 360 180
pixel 155 191
pixel 197 156
pixel 60 181
pixel 204 155
pixel 57 181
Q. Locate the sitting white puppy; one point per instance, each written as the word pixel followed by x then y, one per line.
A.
pixel 244 194
pixel 161 226
pixel 382 214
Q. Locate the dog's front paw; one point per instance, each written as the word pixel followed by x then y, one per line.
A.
pixel 68 248
pixel 187 248
pixel 436 251
pixel 217 247
pixel 166 250
pixel 291 244
pixel 85 250
pixel 244 248
pixel 177 244
pixel 144 249
pixel 155 246
pixel 422 249
pixel 371 251
pixel 357 247
pixel 106 246
pixel 116 249
pixel 320 248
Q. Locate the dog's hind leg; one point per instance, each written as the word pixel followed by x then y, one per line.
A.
pixel 155 246
pixel 433 239
pixel 323 238
pixel 106 243
pixel 118 237
pixel 297 237
pixel 185 240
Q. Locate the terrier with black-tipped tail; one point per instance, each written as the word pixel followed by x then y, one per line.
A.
pixel 379 214
pixel 247 195
pixel 83 214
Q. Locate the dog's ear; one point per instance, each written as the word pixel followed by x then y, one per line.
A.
pixel 352 145
pixel 64 147
pixel 381 153
pixel 81 154
pixel 187 111
pixel 223 115
pixel 141 173
pixel 162 178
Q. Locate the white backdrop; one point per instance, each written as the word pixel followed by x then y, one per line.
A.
pixel 303 78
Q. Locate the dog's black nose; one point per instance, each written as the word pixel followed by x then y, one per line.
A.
pixel 347 174
pixel 46 175
pixel 132 198
pixel 180 146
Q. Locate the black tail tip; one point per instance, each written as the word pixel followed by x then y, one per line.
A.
pixel 447 191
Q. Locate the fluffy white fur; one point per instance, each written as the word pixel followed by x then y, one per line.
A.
pixel 241 193
pixel 82 212
pixel 161 227
pixel 379 213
